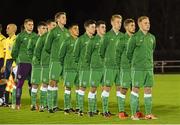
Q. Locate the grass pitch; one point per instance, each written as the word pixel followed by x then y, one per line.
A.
pixel 166 106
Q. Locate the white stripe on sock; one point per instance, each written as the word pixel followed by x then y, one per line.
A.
pixel 91 95
pixel 67 92
pixel 81 92
pixel 105 94
pixel 147 95
pixel 43 89
pixel 34 90
pixel 119 94
pixel 135 94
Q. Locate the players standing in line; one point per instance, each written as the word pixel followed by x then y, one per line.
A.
pixel 36 68
pixel 107 53
pixel 44 59
pixel 140 54
pixel 124 65
pixel 83 67
pixel 96 65
pixel 70 67
pixel 52 46
pixel 19 53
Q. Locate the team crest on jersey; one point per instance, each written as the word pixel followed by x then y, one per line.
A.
pixel 68 83
pixel 152 41
pixel 53 76
pixel 33 80
pixel 107 81
pixel 25 38
pixel 44 79
pixel 84 83
pixel 67 34
pixel 93 83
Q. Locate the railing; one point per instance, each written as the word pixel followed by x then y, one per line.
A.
pixel 169 65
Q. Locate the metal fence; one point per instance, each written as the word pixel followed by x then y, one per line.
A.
pixel 164 66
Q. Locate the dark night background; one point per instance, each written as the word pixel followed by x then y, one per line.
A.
pixel 164 16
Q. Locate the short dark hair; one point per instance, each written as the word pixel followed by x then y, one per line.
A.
pixel 50 21
pixel 0 27
pixel 58 14
pixel 99 22
pixel 89 22
pixel 42 23
pixel 127 21
pixel 72 24
pixel 28 20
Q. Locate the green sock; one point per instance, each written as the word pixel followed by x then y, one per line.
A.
pixel 14 96
pixel 148 103
pixel 33 96
pixel 95 104
pixel 67 99
pixel 138 106
pixel 55 96
pixel 105 104
pixel 121 101
pixel 91 104
pixel 81 100
pixel 133 102
pixel 105 96
pixel 77 102
pixel 50 98
pixel 91 100
pixel 43 97
pixel 70 105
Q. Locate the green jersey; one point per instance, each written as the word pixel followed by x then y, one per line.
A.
pixel 66 54
pixel 79 52
pixel 121 49
pixel 108 48
pixel 140 51
pixel 38 50
pixel 92 53
pixel 54 40
pixel 20 51
pixel 45 56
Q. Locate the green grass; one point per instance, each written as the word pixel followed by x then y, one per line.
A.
pixel 166 105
